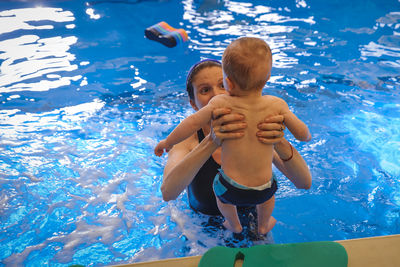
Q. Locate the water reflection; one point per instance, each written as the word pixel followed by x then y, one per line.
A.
pixel 378 50
pixel 91 13
pixel 26 18
pixel 235 19
pixel 28 61
pixel 379 135
pixel 387 48
pixel 14 123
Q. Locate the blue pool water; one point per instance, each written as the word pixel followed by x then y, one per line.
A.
pixel 84 98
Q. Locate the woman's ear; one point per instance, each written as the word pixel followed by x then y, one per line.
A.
pixel 193 104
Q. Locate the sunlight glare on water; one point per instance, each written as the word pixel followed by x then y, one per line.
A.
pixel 29 56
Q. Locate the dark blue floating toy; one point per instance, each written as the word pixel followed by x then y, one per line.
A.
pixel 163 33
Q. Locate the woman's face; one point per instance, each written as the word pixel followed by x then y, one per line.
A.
pixel 206 84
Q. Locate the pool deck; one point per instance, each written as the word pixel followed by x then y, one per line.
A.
pixel 382 251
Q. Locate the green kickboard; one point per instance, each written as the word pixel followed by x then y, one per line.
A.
pixel 324 253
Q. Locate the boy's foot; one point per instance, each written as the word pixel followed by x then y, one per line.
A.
pixel 228 226
pixel 269 226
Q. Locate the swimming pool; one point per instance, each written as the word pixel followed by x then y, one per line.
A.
pixel 84 98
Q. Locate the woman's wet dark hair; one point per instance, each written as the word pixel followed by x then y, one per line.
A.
pixel 205 63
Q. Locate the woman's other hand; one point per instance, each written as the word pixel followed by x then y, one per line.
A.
pixel 271 130
pixel 226 125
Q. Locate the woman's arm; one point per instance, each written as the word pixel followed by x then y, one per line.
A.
pixel 288 160
pixel 183 165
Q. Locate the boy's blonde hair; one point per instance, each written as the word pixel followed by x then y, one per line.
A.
pixel 248 61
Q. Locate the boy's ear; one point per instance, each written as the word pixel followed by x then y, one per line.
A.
pixel 269 76
pixel 193 105
pixel 230 84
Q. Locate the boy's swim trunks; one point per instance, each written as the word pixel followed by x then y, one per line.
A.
pixel 230 192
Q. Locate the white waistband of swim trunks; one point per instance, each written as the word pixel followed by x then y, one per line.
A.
pixel 236 184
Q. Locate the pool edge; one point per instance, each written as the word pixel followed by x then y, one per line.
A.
pixel 370 251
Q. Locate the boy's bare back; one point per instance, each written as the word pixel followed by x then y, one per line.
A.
pixel 246 160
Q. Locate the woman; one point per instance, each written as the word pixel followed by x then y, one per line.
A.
pixel 194 162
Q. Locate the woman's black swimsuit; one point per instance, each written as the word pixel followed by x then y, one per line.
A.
pixel 200 193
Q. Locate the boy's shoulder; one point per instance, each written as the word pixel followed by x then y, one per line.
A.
pixel 219 99
pixel 276 101
pixel 273 98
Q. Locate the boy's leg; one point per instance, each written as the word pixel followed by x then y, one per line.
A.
pixel 265 221
pixel 229 212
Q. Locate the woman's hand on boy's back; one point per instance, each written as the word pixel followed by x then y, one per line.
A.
pixel 271 130
pixel 226 125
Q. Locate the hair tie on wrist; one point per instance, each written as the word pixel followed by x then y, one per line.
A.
pixel 291 156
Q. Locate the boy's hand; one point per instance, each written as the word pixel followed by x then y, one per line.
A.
pixel 159 150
